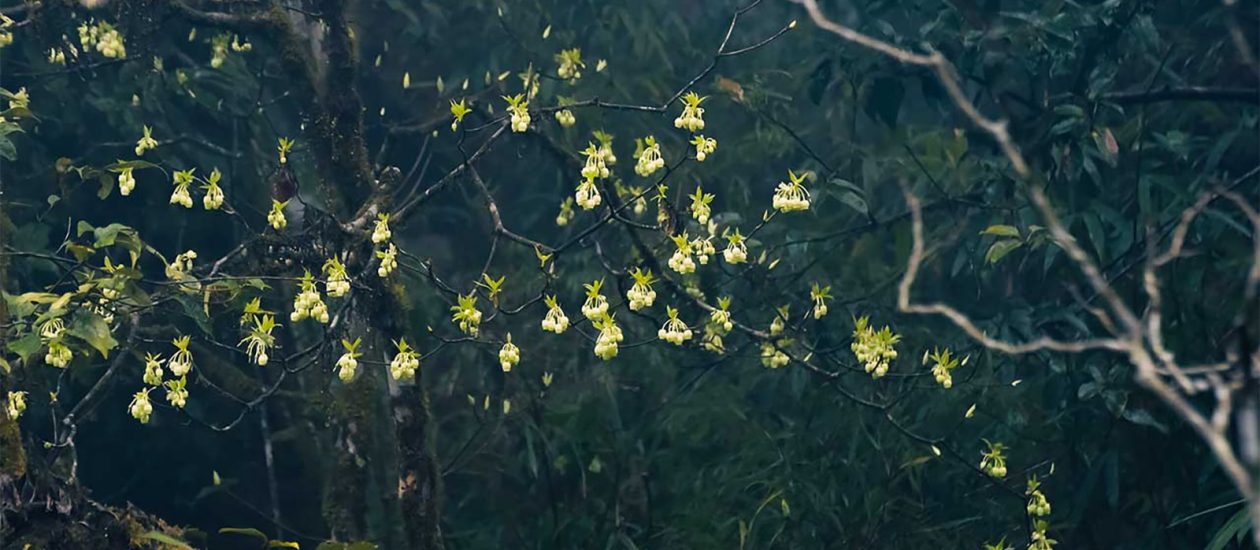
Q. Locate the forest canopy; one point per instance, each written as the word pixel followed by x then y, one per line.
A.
pixel 661 274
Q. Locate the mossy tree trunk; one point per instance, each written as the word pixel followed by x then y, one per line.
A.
pixel 12 453
pixel 384 485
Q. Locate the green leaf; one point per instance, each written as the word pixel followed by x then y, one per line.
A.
pixel 193 309
pixel 248 532
pixel 851 194
pixel 7 149
pixel 1069 111
pixel 166 539
pixel 855 201
pixel 91 328
pixel 110 234
pixel 1096 235
pixel 133 164
pixel 25 346
pixel 107 185
pixel 1234 529
pixel 1144 418
pixel 1000 249
pixel 1002 231
pixel 25 304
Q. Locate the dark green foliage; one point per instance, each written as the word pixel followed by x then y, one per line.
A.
pixel 1126 110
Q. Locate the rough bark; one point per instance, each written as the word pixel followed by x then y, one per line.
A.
pixel 12 454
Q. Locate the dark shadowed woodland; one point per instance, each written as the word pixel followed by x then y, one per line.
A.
pixel 423 274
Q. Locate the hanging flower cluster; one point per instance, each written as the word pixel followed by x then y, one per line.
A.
pixel 874 349
pixel 509 354
pixel 780 318
pixel 640 201
pixel 610 336
pixel 681 260
pixel 943 363
pixel 518 106
pixel 704 247
pixel 145 142
pixel 1038 505
pixel 181 266
pixel 722 315
pixel 58 355
pixel 6 35
pixel 284 146
pixel 381 232
pixel 772 357
pixel 736 251
pixel 182 360
pixel 15 404
pixel 177 392
pixel 587 195
pixel 820 295
pixel 260 339
pixel 570 64
pixel 20 99
pixel 704 147
pixel 275 217
pixel 567 214
pixel 692 117
pixel 104 38
pixel 153 369
pixel 338 282
pixel 405 363
pixel 565 118
pixel 126 181
pixel 1039 540
pixel 641 294
pixel 181 195
pixel 214 194
pixel 700 209
pixel 791 196
pixel 348 363
pixel 308 302
pixel 599 159
pixel 555 320
pixel 219 48
pixel 606 154
pixel 466 315
pixel 596 305
pixel 389 261
pixel 140 408
pixel 595 308
pixel 674 330
pixel 648 154
pixel 719 325
pixel 103 310
pixel 993 460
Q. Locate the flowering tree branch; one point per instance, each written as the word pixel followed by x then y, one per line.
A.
pixel 1139 339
